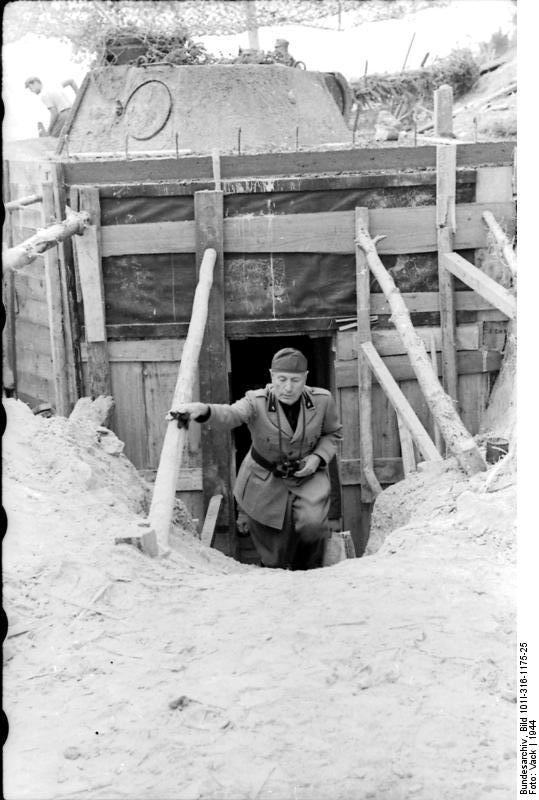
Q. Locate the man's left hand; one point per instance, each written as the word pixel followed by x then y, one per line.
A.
pixel 310 465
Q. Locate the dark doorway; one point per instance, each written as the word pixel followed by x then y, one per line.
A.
pixel 250 363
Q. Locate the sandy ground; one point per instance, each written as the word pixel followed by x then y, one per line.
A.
pixel 386 678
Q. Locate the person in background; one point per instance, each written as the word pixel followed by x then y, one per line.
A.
pixel 56 100
pixel 283 485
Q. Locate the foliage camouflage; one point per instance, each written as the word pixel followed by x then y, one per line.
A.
pixel 85 24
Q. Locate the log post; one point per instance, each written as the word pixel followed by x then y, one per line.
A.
pixel 164 492
pixel 443 111
pixel 458 440
pixel 434 361
pixel 8 291
pixel 370 487
pixel 71 323
pixel 88 249
pixel 446 163
pixel 502 241
pixel 23 254
pixel 54 309
pixel 216 443
pixel 401 405
pixel 407 448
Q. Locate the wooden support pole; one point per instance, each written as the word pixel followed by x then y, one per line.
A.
pixel 401 405
pixel 457 438
pixel 485 286
pixel 88 250
pixel 206 534
pixel 216 443
pixel 23 254
pixel 502 241
pixel 21 202
pixel 8 294
pixel 370 486
pixel 164 492
pixel 443 111
pixel 446 163
pixel 72 333
pixel 438 441
pixel 407 448
pixel 54 308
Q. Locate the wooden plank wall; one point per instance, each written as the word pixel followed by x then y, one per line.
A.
pixel 143 376
pixel 33 356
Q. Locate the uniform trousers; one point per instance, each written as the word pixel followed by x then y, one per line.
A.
pixel 300 544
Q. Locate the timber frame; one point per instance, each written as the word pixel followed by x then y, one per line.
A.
pixel 137 360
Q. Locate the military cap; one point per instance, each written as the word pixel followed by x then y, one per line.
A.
pixel 289 360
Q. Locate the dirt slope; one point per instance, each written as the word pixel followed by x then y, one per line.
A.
pixel 388 677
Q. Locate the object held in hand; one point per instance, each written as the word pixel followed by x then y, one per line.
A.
pixel 287 467
pixel 181 417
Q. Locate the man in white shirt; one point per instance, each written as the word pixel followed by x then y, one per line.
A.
pixel 56 100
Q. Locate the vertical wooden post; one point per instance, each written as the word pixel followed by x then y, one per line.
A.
pixel 369 484
pixel 217 473
pixel 407 448
pixel 88 250
pixel 67 278
pixel 8 286
pixel 446 164
pixel 438 440
pixel 54 308
pixel 443 111
pixel 252 25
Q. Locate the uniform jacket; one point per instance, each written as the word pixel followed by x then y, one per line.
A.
pixel 261 494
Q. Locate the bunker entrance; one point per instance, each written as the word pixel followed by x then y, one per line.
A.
pixel 250 361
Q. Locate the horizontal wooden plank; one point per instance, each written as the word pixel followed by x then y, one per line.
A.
pixel 484 285
pixel 150 350
pixel 407 230
pixel 300 184
pixel 189 480
pixel 468 362
pixel 428 302
pixel 417 302
pixel 468 337
pixel 387 470
pixel 355 160
pixel 148 238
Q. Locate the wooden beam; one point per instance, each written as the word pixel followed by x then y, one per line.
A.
pixel 443 111
pixel 370 487
pixel 153 350
pixel 55 311
pixel 210 521
pixel 457 438
pixel 387 470
pixel 502 241
pixel 469 362
pixel 407 230
pixel 489 289
pixel 161 509
pixel 72 332
pixel 21 202
pixel 295 184
pixel 213 373
pixel 285 164
pixel 23 254
pixel 88 249
pixel 407 448
pixel 447 225
pixel 401 404
pixel 8 285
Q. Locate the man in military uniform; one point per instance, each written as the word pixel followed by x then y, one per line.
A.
pixel 283 484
